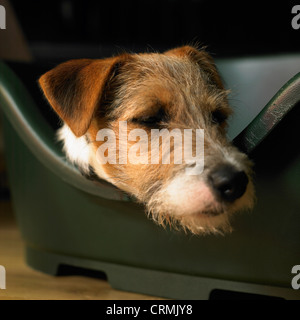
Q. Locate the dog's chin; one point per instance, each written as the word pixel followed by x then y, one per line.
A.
pixel 210 213
pixel 203 223
pixel 193 207
pixel 199 223
pixel 212 210
pixel 213 218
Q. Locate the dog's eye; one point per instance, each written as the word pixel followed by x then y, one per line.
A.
pixel 218 117
pixel 152 121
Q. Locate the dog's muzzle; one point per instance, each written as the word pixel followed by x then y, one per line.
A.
pixel 227 183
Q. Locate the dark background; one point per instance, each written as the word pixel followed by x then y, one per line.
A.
pixel 59 29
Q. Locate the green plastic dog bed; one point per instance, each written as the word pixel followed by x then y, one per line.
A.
pixel 68 220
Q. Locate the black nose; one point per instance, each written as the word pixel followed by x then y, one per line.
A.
pixel 228 183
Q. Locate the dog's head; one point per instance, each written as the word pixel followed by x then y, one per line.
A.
pixel 135 120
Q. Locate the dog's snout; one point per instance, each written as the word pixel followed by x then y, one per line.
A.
pixel 228 183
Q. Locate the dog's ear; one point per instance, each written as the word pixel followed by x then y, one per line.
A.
pixel 203 59
pixel 75 88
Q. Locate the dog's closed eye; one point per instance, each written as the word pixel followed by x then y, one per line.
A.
pixel 150 121
pixel 155 120
pixel 218 117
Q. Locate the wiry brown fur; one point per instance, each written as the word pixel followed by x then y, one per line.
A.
pixel 185 84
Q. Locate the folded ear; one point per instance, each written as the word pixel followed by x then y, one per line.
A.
pixel 203 59
pixel 75 88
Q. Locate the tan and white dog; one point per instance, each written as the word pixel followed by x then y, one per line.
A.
pixel 179 89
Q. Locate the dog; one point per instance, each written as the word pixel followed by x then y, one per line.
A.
pixel 178 89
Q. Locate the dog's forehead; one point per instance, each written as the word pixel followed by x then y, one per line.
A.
pixel 167 67
pixel 151 81
pixel 162 77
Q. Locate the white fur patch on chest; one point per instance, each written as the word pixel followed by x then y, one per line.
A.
pixel 76 149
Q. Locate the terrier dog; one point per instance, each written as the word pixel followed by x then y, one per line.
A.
pixel 179 89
